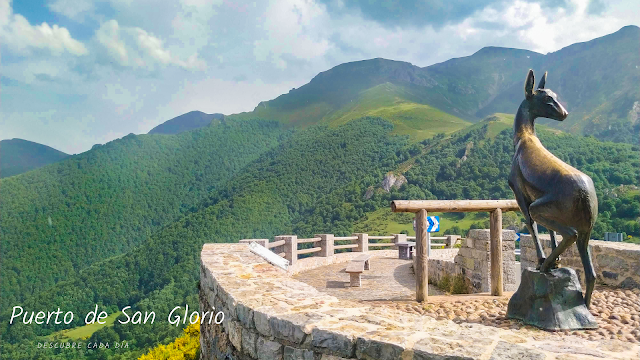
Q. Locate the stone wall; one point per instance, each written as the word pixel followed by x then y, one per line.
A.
pixel 474 260
pixel 616 264
pixel 441 263
pixel 271 316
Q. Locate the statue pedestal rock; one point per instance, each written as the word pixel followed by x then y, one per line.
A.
pixel 551 301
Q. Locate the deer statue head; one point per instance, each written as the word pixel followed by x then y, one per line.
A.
pixel 542 102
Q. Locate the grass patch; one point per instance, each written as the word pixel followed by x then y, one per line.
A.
pixel 456 284
pixel 384 222
pixel 83 332
pixel 396 103
pixel 498 122
pixel 632 239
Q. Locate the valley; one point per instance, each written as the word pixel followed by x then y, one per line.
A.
pixel 123 223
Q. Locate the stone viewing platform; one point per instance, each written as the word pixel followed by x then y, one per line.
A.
pixel 271 313
pixel 390 278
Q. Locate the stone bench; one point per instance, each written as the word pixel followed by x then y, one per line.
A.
pixel 356 267
pixel 365 258
pixel 405 250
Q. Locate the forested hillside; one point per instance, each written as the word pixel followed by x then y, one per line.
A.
pixel 475 165
pixel 61 218
pixel 18 156
pixel 267 198
pixel 313 182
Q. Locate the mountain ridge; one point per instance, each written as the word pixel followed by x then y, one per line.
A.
pixel 596 80
pixel 18 156
pixel 186 122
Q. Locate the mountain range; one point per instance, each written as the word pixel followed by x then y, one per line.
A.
pixel 123 223
pixel 598 81
pixel 18 156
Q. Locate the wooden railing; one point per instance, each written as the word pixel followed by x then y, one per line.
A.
pixel 420 208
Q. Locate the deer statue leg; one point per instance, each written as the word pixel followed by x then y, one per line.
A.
pixel 531 225
pixel 533 230
pixel 567 240
pixel 587 264
pixel 554 244
pixel 545 211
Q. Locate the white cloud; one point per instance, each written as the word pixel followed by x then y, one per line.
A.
pixel 528 25
pixel 109 36
pixel 82 100
pixel 297 28
pixel 192 26
pixel 73 9
pixel 22 38
pixel 154 48
pixel 135 47
pixel 5 12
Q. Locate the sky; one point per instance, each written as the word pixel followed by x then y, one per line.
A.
pixel 74 73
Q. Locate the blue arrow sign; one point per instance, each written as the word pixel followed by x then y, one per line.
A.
pixel 517 236
pixel 433 223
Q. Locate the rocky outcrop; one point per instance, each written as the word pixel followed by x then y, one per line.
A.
pixel 634 113
pixel 393 181
pixel 369 193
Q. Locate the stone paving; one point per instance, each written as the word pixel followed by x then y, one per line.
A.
pixel 388 279
pixel 391 283
pixel 617 312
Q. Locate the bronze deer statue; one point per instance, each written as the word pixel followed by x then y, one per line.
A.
pixel 548 191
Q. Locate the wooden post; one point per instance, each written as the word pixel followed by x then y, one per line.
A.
pixel 326 244
pixel 496 252
pixel 422 259
pixel 290 247
pixel 363 242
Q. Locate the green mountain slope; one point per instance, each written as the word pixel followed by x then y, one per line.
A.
pixel 18 156
pixel 312 182
pixel 468 84
pixel 62 218
pixel 475 163
pixel 394 90
pixel 496 123
pixel 267 198
pixel 598 81
pixel 186 122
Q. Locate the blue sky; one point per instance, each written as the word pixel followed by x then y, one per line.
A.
pixel 74 73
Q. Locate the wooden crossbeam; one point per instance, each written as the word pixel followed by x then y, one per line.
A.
pixel 453 205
